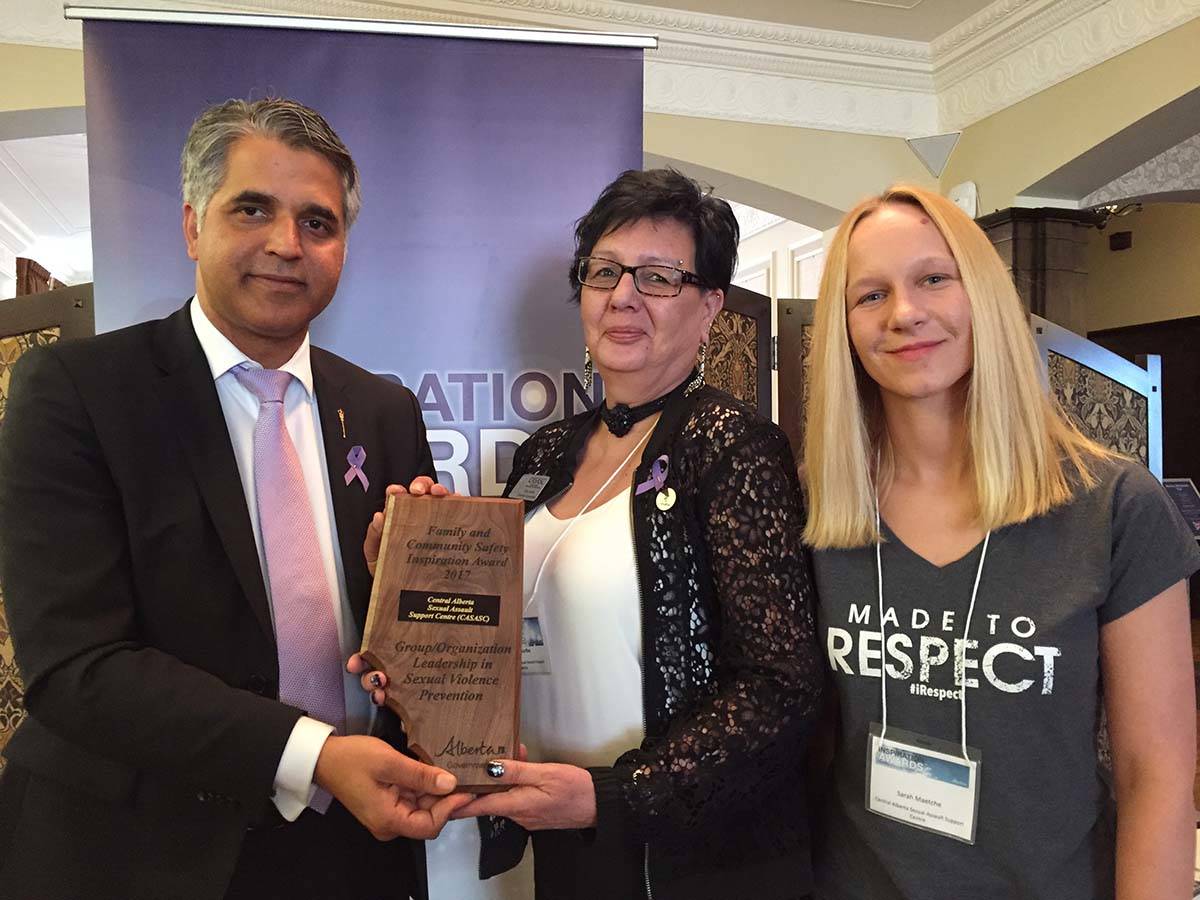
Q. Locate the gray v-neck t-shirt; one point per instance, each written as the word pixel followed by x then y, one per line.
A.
pixel 1045 824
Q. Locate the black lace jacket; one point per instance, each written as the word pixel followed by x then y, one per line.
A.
pixel 731 672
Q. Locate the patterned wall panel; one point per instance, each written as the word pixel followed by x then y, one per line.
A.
pixel 11 349
pixel 11 710
pixel 732 364
pixel 806 343
pixel 1106 410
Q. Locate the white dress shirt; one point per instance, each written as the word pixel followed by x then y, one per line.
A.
pixel 587 710
pixel 293 778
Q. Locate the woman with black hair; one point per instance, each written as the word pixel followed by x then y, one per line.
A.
pixel 671 671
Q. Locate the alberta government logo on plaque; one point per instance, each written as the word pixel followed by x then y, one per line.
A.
pixel 445 625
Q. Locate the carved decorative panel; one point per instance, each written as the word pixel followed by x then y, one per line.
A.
pixel 11 709
pixel 806 343
pixel 732 364
pixel 11 349
pixel 1106 410
pixel 795 367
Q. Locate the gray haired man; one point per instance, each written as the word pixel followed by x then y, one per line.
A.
pixel 183 569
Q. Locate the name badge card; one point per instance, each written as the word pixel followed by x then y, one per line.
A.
pixel 923 782
pixel 535 660
pixel 529 487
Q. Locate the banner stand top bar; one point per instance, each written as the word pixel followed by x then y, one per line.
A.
pixel 369 26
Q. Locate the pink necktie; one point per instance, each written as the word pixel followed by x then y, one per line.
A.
pixel 310 658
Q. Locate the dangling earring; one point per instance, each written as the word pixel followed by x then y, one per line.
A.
pixel 588 369
pixel 698 380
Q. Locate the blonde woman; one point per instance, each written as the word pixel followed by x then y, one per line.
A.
pixel 989 581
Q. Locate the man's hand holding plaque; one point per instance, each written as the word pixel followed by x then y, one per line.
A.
pixel 445 625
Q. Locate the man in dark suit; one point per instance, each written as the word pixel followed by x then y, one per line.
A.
pixel 181 556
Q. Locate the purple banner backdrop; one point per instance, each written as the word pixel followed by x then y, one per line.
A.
pixel 476 156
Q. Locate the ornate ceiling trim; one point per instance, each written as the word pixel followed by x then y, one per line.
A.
pixel 678 88
pixel 1173 170
pixel 745 70
pixel 1056 42
pixel 752 221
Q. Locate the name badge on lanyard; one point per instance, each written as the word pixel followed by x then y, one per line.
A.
pixel 535 658
pixel 923 782
pixel 529 487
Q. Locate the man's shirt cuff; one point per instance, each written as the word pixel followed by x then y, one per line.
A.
pixel 294 778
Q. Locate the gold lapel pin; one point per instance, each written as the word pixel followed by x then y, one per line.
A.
pixel 342 419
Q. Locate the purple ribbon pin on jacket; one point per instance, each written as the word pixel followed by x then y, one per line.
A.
pixel 658 476
pixel 356 457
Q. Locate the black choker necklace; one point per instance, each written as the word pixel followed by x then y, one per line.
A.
pixel 622 417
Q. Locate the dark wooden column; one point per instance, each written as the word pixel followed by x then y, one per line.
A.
pixel 1046 251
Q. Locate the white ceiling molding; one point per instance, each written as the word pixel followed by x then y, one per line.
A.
pixel 58 156
pixel 714 67
pixel 821 43
pixel 759 61
pixel 752 221
pixel 1061 39
pixel 45 212
pixel 731 68
pixel 1032 201
pixel 15 235
pixel 39 23
pixel 896 4
pixel 991 22
pixel 687 90
pixel 1172 171
pixel 8 273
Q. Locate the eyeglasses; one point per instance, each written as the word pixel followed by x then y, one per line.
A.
pixel 653 281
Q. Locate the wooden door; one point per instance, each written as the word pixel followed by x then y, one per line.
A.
pixel 794 344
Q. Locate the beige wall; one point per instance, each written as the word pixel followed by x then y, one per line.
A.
pixel 1158 278
pixel 39 77
pixel 1003 154
pixel 833 170
pixel 1011 150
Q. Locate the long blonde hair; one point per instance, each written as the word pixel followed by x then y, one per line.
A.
pixel 1023 448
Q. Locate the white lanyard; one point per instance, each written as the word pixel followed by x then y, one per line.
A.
pixel 883 637
pixel 575 518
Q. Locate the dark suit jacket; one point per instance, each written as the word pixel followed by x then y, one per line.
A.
pixel 140 620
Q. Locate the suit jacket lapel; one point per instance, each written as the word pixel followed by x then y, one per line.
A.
pixel 342 428
pixel 189 398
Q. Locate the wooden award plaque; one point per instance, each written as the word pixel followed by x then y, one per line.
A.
pixel 445 625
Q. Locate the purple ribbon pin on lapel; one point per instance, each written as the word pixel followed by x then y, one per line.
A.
pixel 658 476
pixel 356 457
